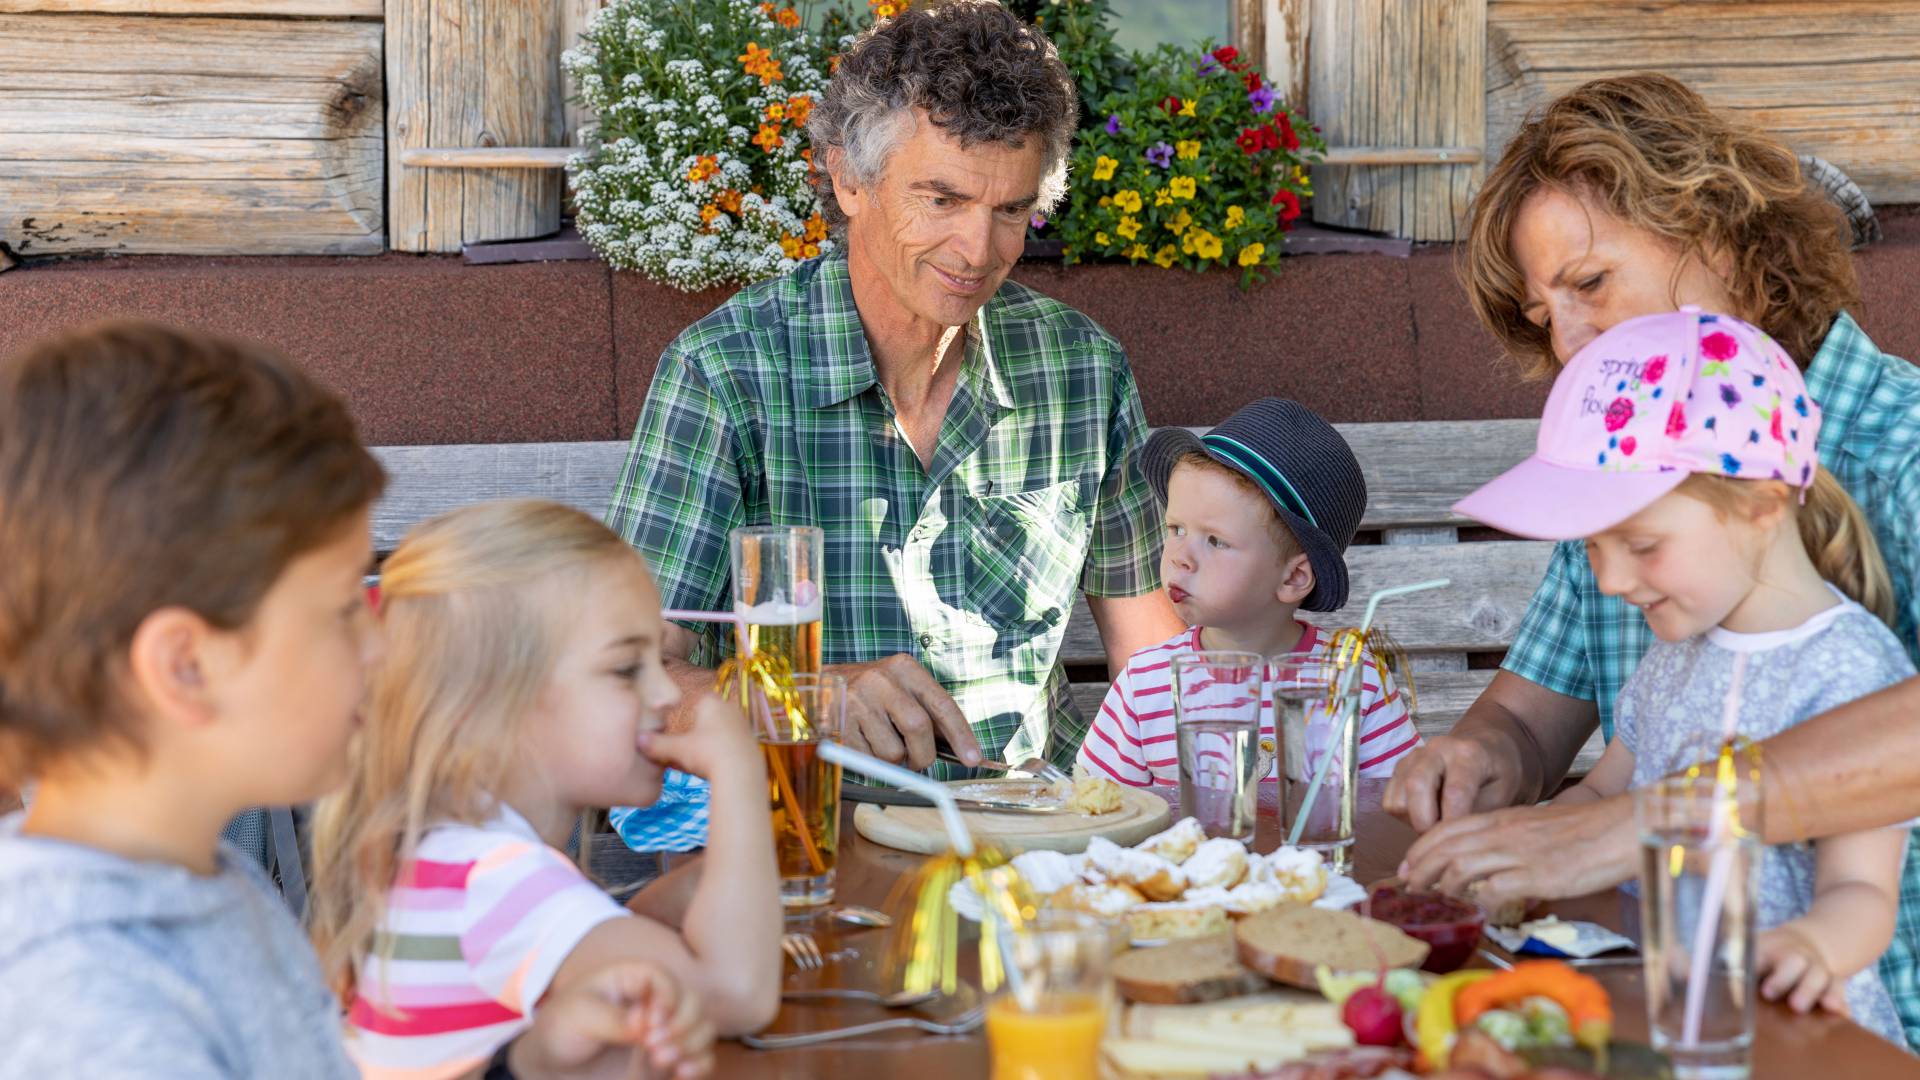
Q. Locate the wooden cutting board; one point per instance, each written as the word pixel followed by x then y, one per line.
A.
pixel 918 828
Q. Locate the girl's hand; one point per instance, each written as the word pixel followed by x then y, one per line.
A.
pixel 1791 965
pixel 587 1029
pixel 717 741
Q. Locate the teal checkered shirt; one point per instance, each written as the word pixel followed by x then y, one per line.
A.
pixel 769 411
pixel 1577 642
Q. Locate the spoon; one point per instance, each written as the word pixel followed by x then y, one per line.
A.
pixel 899 999
pixel 857 915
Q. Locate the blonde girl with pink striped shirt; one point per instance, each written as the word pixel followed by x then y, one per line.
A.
pixel 522 686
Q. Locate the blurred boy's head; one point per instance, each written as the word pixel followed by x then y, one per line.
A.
pixel 1260 511
pixel 184 522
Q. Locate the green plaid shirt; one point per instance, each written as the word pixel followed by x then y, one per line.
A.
pixel 768 411
pixel 1576 642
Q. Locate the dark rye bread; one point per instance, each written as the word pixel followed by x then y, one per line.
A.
pixel 1184 973
pixel 1286 943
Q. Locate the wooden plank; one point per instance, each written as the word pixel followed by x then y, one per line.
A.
pixel 1398 74
pixel 576 122
pixel 1834 78
pixel 1440 700
pixel 212 136
pixel 1415 472
pixel 499 157
pixel 472 74
pixel 330 9
pixel 1287 23
pixel 1492 583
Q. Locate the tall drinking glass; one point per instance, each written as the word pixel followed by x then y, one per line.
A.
pixel 803 789
pixel 1699 848
pixel 777 576
pixel 1216 714
pixel 1311 728
pixel 1047 1020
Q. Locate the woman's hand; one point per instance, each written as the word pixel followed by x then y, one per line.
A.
pixel 1791 965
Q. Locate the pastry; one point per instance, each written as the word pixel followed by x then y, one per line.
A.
pixel 1219 863
pixel 1176 843
pixel 1169 922
pixel 1298 872
pixel 1093 795
pixel 1106 900
pixel 1155 877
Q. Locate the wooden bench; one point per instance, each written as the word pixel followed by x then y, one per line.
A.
pixel 1415 472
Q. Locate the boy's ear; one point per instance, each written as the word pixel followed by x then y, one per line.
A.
pixel 1297 583
pixel 168 666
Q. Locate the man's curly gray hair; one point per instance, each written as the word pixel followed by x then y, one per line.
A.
pixel 981 74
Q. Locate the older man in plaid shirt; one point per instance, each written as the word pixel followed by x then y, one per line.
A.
pixel 967 445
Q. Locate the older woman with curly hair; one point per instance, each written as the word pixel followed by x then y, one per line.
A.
pixel 966 444
pixel 1625 197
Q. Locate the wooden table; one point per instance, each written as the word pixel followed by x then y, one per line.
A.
pixel 1786 1046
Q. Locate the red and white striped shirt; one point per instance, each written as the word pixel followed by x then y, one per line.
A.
pixel 1132 739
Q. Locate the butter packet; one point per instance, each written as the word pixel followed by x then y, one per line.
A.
pixel 1552 937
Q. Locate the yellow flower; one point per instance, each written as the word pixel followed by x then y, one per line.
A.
pixel 1162 197
pixel 1186 241
pixel 1164 257
pixel 1101 239
pixel 1105 202
pixel 1186 107
pixel 811 251
pixel 777 111
pixel 1138 252
pixel 790 245
pixel 1128 227
pixel 884 11
pixel 1182 187
pixel 703 166
pixel 1103 167
pixel 1188 148
pixel 1236 217
pixel 1206 245
pixel 1128 201
pixel 1250 255
pixel 1179 223
pixel 816 229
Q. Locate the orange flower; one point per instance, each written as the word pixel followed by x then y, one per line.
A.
pixel 833 64
pixel 816 228
pixel 708 213
pixel 811 251
pixel 704 167
pixel 768 138
pixel 766 9
pixel 790 246
pixel 788 18
pixel 728 200
pixel 776 111
pixel 759 62
pixel 799 107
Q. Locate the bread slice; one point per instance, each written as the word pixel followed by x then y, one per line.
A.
pixel 1184 973
pixel 1287 942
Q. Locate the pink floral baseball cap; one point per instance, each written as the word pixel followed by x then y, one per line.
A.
pixel 1640 408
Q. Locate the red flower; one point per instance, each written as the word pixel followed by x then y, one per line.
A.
pixel 1289 205
pixel 1656 368
pixel 1252 80
pixel 1250 140
pixel 1619 413
pixel 1677 421
pixel 1778 435
pixel 1286 138
pixel 1628 445
pixel 1719 345
pixel 1170 105
pixel 1226 54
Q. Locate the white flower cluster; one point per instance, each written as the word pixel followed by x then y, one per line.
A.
pixel 687 184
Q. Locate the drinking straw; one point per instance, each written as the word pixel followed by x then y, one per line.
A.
pixel 1350 715
pixel 678 615
pixel 1721 869
pixel 942 799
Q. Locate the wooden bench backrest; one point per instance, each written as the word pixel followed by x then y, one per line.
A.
pixel 1415 472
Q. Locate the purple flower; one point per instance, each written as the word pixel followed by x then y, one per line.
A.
pixel 1160 154
pixel 1205 67
pixel 1113 124
pixel 1261 99
pixel 1037 221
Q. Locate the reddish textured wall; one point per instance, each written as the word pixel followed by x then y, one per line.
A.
pixel 430 350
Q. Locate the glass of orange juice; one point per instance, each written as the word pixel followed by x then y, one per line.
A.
pixel 1047 1020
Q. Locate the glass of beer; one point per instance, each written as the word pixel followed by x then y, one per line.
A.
pixel 803 789
pixel 777 594
pixel 1048 1019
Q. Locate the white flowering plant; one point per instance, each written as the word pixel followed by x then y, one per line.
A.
pixel 701 174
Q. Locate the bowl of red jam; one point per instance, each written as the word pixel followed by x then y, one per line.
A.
pixel 1451 928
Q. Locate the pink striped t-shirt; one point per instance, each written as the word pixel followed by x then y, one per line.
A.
pixel 475 928
pixel 1132 740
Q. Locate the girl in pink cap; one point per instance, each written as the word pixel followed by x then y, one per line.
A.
pixel 1680 447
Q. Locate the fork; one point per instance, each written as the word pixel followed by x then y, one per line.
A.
pixel 960 1025
pixel 1039 767
pixel 803 950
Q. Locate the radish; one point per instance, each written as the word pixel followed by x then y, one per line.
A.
pixel 1374 1016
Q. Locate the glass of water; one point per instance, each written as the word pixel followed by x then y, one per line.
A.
pixel 1216 714
pixel 1699 850
pixel 1312 729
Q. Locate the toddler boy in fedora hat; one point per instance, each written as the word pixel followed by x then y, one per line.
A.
pixel 1259 512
